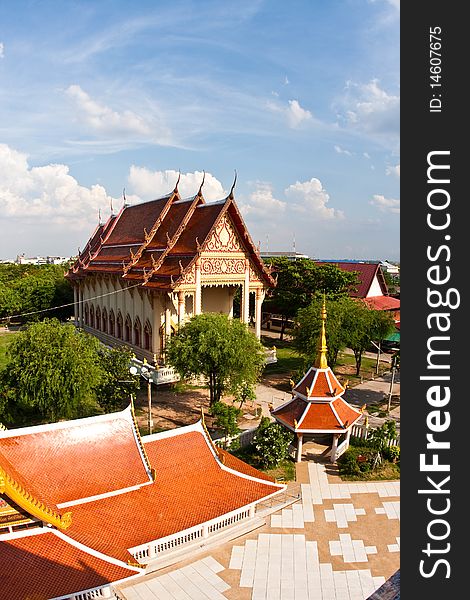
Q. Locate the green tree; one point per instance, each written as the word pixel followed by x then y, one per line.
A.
pixel 244 391
pixel 117 385
pixel 364 325
pixel 272 443
pixel 218 348
pixel 225 418
pixel 53 369
pixel 299 281
pixel 308 326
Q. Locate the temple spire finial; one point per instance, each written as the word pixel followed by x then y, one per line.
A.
pixel 321 361
pixel 177 182
pixel 202 183
pixel 233 185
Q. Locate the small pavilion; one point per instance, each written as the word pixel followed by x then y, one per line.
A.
pixel 317 407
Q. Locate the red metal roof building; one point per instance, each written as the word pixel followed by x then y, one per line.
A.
pixel 154 264
pixel 87 503
pixel 317 406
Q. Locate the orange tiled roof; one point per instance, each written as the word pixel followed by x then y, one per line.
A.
pixel 191 487
pixel 319 383
pixel 383 302
pixel 76 459
pixel 46 566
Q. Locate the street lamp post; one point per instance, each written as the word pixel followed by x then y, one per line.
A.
pixel 394 366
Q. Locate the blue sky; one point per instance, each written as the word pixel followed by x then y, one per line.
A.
pixel 301 98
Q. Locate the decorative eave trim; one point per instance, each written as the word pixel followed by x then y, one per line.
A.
pixel 150 470
pixel 16 492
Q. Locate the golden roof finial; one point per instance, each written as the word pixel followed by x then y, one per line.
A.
pixel 322 349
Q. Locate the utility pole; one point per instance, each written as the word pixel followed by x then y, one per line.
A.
pixel 394 366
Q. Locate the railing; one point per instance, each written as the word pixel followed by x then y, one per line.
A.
pixel 270 355
pixel 158 375
pixel 363 432
pixel 244 438
pixel 291 494
pixel 101 593
pixel 167 544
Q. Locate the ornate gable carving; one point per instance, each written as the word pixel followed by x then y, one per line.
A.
pixel 224 238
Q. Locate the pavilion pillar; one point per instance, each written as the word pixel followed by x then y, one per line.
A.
pixel 246 294
pixel 167 322
pixel 258 303
pixel 181 301
pixel 198 293
pixel 348 436
pixel 334 447
pixel 298 453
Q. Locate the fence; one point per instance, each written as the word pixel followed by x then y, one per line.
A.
pixel 244 438
pixel 363 432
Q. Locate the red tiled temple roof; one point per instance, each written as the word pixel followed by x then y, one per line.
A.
pixel 76 459
pixel 319 383
pixel 150 234
pixel 382 303
pixel 191 487
pixel 43 566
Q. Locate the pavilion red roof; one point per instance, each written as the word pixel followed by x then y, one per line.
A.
pixel 317 405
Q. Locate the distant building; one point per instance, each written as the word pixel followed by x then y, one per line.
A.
pixel 392 269
pixel 289 255
pixel 21 259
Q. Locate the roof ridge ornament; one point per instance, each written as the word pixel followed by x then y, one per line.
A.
pixel 202 183
pixel 233 185
pixel 322 349
pixel 175 189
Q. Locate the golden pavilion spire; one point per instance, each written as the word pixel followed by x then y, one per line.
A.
pixel 322 349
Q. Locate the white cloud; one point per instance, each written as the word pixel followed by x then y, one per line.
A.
pixel 154 184
pixel 370 109
pixel 386 204
pixel 2 50
pixel 366 155
pixel 103 120
pixel 311 197
pixel 262 203
pixel 393 171
pixel 294 113
pixel 47 194
pixel 340 150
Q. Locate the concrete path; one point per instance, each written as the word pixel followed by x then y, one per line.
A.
pixel 340 541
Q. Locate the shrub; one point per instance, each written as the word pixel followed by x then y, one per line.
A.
pixel 272 443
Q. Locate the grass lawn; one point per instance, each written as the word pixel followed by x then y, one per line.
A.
pixel 388 471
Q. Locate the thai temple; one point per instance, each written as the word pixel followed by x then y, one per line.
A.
pixel 317 410
pixel 155 264
pixel 87 504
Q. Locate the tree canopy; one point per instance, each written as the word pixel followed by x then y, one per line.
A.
pixel 54 371
pixel 32 288
pixel 300 281
pixel 350 323
pixel 219 348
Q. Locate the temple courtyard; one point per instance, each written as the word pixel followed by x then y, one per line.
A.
pixel 338 541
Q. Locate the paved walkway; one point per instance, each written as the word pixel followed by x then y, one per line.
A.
pixel 340 541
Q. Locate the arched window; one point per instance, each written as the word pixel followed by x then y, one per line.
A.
pixel 128 330
pixel 148 336
pixel 87 315
pixel 119 326
pixel 112 323
pixel 137 332
pixel 105 321
pixel 98 318
pixel 92 316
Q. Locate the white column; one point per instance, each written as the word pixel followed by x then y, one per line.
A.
pixel 258 303
pixel 198 292
pixel 75 305
pixel 298 454
pixel 167 321
pixel 334 447
pixel 181 308
pixel 246 294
